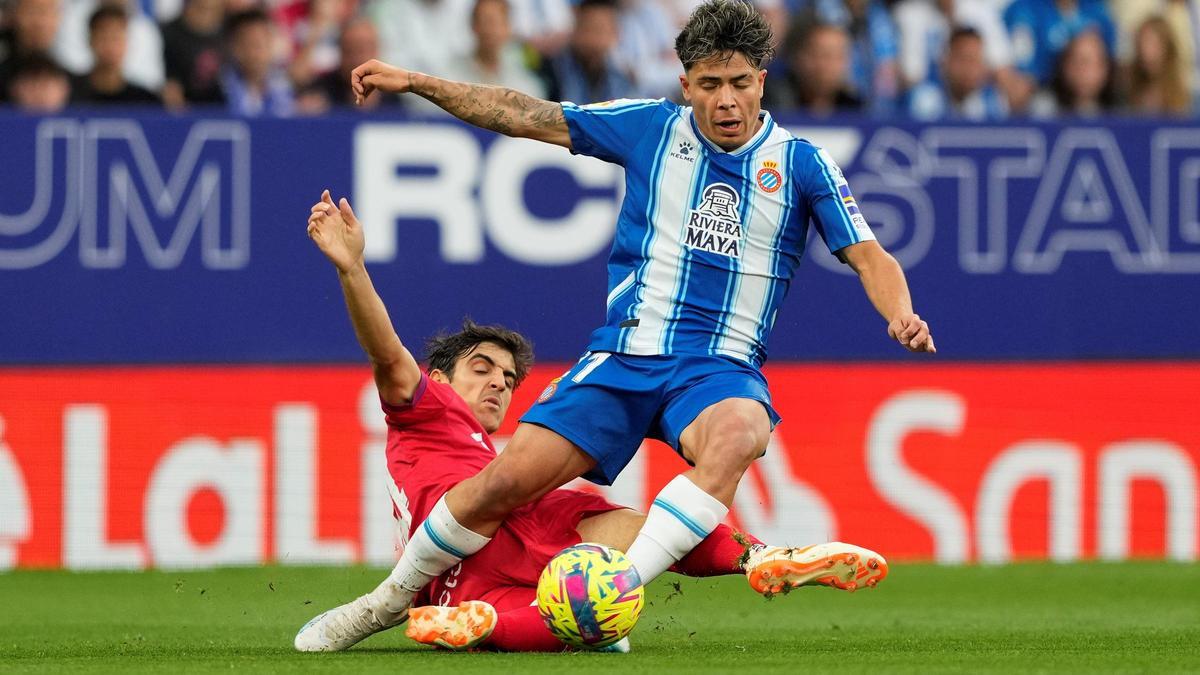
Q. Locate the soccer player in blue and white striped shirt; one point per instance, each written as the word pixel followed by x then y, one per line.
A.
pixel 717 208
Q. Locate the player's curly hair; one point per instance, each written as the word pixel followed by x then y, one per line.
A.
pixel 723 28
pixel 443 350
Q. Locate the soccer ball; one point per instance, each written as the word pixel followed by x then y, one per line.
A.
pixel 590 595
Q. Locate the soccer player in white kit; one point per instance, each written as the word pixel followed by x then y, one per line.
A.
pixel 717 207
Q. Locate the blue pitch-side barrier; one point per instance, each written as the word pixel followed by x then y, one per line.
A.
pixel 156 239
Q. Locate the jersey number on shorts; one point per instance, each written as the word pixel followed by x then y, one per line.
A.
pixel 593 362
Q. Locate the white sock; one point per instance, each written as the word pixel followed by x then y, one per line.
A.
pixel 437 545
pixel 680 518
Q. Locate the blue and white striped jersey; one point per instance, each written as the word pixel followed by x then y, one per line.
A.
pixel 707 240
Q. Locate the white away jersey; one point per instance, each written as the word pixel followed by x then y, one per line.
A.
pixel 707 240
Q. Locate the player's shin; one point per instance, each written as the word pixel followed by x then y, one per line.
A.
pixel 722 552
pixel 437 545
pixel 681 516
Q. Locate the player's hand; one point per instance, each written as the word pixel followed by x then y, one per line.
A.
pixel 337 232
pixel 912 332
pixel 375 74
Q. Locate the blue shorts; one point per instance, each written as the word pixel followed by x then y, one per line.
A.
pixel 607 403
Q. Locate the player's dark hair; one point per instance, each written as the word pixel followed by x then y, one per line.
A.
pixel 722 28
pixel 107 12
pixel 443 350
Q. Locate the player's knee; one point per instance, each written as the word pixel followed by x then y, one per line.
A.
pixel 733 444
pixel 746 438
pixel 501 491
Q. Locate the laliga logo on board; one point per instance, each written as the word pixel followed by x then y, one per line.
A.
pixel 769 179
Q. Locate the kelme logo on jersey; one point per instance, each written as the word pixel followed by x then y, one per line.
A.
pixel 769 179
pixel 686 151
pixel 714 226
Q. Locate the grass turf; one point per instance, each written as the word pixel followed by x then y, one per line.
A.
pixel 1095 617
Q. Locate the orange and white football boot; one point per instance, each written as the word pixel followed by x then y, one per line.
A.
pixel 457 628
pixel 774 569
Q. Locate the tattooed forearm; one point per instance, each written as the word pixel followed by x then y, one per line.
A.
pixel 499 109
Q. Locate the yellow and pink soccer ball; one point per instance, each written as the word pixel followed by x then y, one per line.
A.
pixel 590 596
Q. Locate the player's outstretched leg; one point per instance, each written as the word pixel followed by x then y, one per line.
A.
pixel 462 627
pixel 774 569
pixel 437 545
pixel 341 627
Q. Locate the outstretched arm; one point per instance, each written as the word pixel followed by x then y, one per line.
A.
pixel 884 282
pixel 499 109
pixel 339 235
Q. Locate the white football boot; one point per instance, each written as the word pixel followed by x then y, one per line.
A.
pixel 342 627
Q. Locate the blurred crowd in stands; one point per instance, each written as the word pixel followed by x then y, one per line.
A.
pixel 978 60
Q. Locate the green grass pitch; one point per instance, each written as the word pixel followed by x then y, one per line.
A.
pixel 1087 618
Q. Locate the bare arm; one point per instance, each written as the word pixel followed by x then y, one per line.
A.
pixel 339 235
pixel 887 289
pixel 499 109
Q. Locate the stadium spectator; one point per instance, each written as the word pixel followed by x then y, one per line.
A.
pixel 1183 18
pixel 1129 15
pixel 34 25
pixel 544 26
pixel 924 28
pixel 496 58
pixel 587 70
pixel 965 88
pixel 252 83
pixel 143 64
pixel 815 82
pixel 105 83
pixel 1041 29
pixel 192 55
pixel 311 30
pixel 428 35
pixel 358 43
pixel 1083 81
pixel 646 48
pixel 874 71
pixel 38 84
pixel 1155 84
